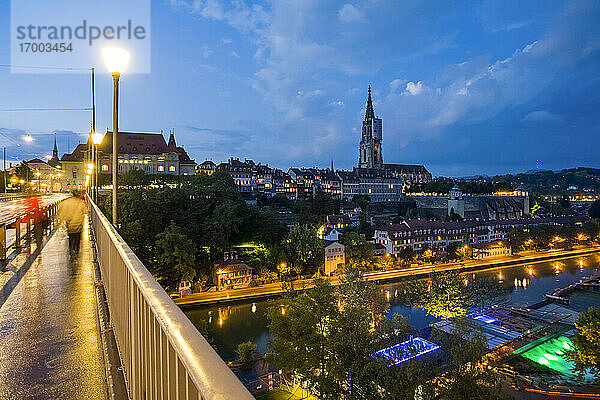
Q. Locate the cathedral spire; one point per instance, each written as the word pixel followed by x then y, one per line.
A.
pixel 55 150
pixel 370 114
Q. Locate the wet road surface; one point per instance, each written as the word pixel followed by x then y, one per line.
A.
pixel 49 340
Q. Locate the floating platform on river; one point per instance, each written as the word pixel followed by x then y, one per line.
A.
pixel 591 284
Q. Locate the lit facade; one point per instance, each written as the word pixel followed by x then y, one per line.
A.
pixel 335 256
pixel 419 234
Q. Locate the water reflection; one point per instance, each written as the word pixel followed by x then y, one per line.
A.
pixel 522 285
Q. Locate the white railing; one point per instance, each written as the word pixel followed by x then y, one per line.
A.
pixel 12 196
pixel 164 356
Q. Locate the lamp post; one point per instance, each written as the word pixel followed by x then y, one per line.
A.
pixel 37 175
pixel 116 60
pixel 96 140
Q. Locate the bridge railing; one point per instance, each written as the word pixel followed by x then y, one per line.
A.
pixel 29 215
pixel 164 356
pixel 12 196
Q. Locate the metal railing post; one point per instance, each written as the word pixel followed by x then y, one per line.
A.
pixel 3 241
pixel 28 235
pixel 18 232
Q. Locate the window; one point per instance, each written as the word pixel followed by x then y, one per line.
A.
pixel 172 168
pixel 161 168
pixel 74 174
pixel 104 167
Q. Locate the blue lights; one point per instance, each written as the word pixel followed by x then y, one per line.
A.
pixel 485 318
pixel 401 352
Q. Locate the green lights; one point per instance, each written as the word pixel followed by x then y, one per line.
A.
pixel 551 354
pixel 543 361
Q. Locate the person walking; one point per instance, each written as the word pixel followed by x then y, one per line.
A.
pixel 71 212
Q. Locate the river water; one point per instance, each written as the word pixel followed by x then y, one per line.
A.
pixel 229 325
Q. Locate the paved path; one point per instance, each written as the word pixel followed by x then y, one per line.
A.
pixel 49 340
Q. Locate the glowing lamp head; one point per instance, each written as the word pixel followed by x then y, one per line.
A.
pixel 90 166
pixel 28 138
pixel 47 156
pixel 14 180
pixel 97 138
pixel 116 60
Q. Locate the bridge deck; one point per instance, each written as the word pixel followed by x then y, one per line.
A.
pixel 49 341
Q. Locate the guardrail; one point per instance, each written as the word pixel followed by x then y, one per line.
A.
pixel 164 356
pixel 37 214
pixel 12 196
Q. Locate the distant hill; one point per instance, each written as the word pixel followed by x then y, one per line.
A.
pixel 536 181
pixel 581 178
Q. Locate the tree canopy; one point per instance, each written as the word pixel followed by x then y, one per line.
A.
pixel 585 353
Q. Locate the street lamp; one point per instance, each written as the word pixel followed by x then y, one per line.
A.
pixel 116 60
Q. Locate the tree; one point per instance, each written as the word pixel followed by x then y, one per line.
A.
pixel 225 223
pixel 517 239
pixel 448 294
pixel 135 236
pixel 300 325
pixel 585 353
pixel 358 250
pixel 442 295
pixel 177 256
pixel 264 276
pixel 246 352
pixel 591 229
pixel 385 262
pixel 453 250
pixel 407 255
pixel 303 248
pixel 328 335
pixel 595 210
pixel 467 376
pixel 362 200
pixel 564 202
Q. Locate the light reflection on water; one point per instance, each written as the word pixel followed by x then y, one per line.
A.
pixel 230 325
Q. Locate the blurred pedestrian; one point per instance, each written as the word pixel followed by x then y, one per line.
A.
pixel 71 212
pixel 38 217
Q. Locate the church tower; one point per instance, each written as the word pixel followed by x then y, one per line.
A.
pixel 371 155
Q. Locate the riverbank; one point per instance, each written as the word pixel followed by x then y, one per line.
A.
pixel 274 289
pixel 228 324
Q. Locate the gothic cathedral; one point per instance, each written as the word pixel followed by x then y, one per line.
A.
pixel 371 155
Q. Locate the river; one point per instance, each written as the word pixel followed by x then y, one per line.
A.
pixel 229 325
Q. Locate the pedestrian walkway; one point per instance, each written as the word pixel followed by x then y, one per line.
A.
pixel 50 346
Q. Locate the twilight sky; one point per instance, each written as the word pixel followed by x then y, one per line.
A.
pixel 489 87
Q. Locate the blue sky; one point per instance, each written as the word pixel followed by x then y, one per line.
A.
pixel 462 87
